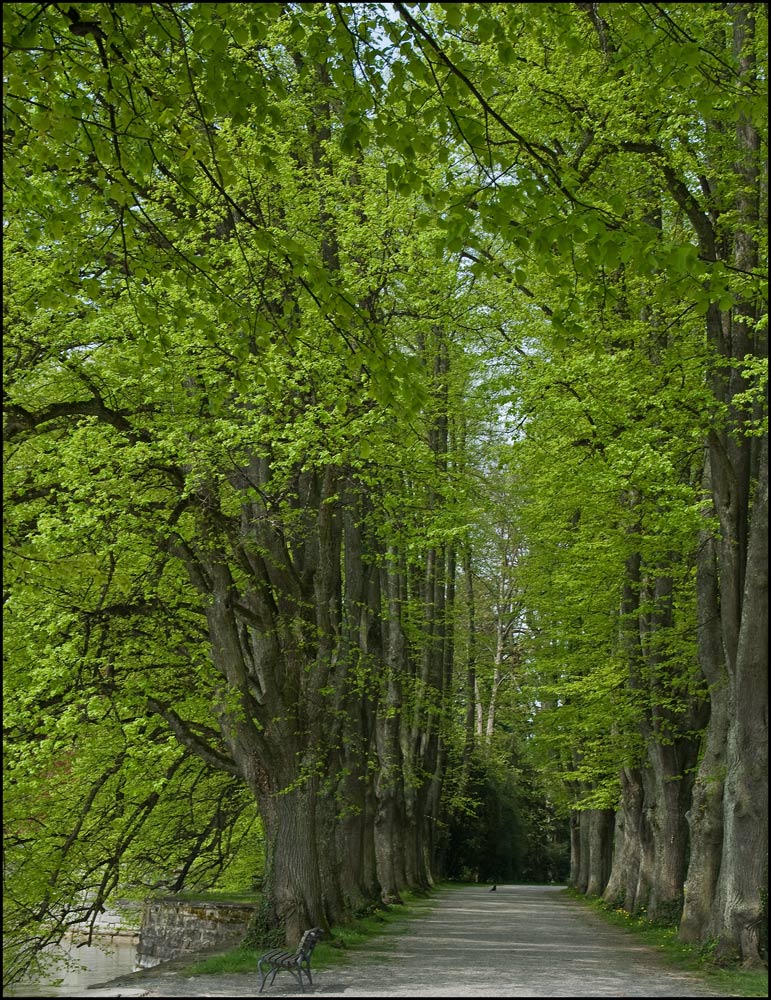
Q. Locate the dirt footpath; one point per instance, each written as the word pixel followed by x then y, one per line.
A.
pixel 520 941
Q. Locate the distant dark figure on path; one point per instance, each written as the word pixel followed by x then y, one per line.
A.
pixel 494 888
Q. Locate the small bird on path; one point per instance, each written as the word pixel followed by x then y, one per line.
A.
pixel 494 888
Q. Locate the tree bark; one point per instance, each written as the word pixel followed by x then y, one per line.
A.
pixel 390 821
pixel 705 817
pixel 621 890
pixel 575 849
pixel 743 872
pixel 584 849
pixel 724 900
pixel 600 837
pixel 292 862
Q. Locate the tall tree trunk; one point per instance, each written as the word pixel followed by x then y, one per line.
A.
pixel 647 848
pixel 705 818
pixel 739 464
pixel 437 817
pixel 391 820
pixel 293 876
pixel 601 830
pixel 738 477
pixel 575 849
pixel 672 755
pixel 469 727
pixel 658 807
pixel 673 785
pixel 276 639
pixel 736 921
pixel 621 889
pixel 359 664
pixel 584 848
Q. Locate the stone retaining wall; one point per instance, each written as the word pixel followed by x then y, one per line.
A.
pixel 173 928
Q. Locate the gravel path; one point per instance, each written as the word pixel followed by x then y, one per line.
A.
pixel 520 941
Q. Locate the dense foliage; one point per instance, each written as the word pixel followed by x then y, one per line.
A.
pixel 386 455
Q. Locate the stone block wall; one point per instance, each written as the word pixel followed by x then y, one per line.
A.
pixel 173 928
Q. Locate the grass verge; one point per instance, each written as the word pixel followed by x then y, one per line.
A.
pixel 374 927
pixel 726 980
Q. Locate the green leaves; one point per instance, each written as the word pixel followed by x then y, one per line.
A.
pixel 251 248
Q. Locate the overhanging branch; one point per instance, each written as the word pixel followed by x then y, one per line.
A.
pixel 192 741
